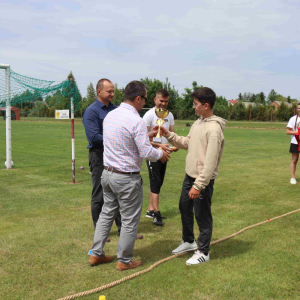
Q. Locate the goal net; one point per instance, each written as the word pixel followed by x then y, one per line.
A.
pixel 29 94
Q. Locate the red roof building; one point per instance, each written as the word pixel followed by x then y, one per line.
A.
pixel 232 102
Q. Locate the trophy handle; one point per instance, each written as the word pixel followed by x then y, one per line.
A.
pixel 159 122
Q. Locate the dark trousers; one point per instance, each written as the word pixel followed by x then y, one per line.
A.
pixel 202 208
pixel 96 167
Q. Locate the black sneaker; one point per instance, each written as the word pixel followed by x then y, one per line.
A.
pixel 150 214
pixel 157 219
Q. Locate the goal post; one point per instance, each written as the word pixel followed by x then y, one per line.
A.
pixel 72 128
pixel 17 90
pixel 8 162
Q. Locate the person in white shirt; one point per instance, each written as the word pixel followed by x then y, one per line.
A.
pixel 157 169
pixel 292 129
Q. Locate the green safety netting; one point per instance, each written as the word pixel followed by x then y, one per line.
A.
pixel 35 97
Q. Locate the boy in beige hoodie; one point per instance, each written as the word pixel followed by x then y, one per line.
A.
pixel 205 144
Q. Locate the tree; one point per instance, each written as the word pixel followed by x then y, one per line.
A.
pixel 252 98
pixel 221 107
pixel 153 86
pixel 240 97
pixel 280 98
pixel 119 95
pixel 221 101
pixel 282 112
pixel 61 98
pixel 55 100
pixel 261 113
pixel 292 110
pixel 262 97
pixel 77 98
pixel 26 99
pixel 187 100
pixel 238 111
pixel 247 96
pixel 253 109
pixel 26 111
pixel 272 96
pixel 174 96
pixel 90 94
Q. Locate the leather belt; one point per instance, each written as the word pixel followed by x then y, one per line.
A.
pixel 111 169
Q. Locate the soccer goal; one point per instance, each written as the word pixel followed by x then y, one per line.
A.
pixel 25 95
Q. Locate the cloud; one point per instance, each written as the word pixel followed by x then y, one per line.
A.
pixel 25 55
pixel 233 46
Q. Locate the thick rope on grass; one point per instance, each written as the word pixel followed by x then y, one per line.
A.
pixel 114 283
pixel 257 224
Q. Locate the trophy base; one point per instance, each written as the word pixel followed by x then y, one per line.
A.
pixel 172 147
pixel 157 140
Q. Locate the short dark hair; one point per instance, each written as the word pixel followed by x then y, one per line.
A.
pixel 133 89
pixel 205 95
pixel 99 85
pixel 164 93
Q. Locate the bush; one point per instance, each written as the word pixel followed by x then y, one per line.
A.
pixel 52 112
pixel 238 112
pixel 77 113
pixel 221 111
pixel 175 113
pixel 292 110
pixel 253 109
pixel 270 111
pixel 187 114
pixel 261 113
pixel 283 112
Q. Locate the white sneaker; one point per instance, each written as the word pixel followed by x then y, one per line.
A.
pixel 198 258
pixel 184 247
pixel 293 181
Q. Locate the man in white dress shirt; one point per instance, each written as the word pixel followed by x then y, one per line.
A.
pixel 126 144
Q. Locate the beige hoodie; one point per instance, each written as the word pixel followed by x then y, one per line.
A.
pixel 205 144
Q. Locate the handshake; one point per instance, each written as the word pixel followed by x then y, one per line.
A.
pixel 166 148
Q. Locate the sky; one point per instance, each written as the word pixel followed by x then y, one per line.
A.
pixel 231 46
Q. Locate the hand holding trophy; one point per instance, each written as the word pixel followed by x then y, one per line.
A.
pixel 161 113
pixel 158 138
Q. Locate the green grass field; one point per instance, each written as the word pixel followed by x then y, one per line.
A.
pixel 46 228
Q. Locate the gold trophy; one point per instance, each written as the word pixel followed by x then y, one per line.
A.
pixel 161 113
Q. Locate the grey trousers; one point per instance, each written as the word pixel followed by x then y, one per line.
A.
pixel 122 193
pixel 96 167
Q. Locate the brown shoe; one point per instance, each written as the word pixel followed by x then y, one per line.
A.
pixel 108 240
pixel 95 260
pixel 132 265
pixel 138 237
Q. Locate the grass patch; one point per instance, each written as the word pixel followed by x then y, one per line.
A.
pixel 46 228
